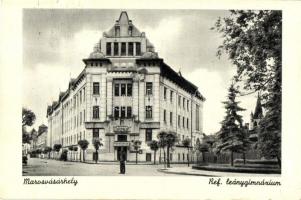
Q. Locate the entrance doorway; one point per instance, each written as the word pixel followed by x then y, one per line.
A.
pixel 120 150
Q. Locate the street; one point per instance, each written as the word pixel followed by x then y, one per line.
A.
pixel 48 167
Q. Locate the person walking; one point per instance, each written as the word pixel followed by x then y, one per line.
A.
pixel 122 160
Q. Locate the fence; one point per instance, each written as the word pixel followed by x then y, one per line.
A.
pixel 225 158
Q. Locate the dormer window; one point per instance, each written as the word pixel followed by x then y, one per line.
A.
pixel 117 31
pixel 130 30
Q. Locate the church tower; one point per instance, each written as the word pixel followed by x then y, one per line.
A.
pixel 258 114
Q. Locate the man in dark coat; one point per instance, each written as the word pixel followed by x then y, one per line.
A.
pixel 122 160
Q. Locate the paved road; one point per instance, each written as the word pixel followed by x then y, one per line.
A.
pixel 45 167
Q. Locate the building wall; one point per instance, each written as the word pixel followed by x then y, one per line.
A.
pixel 72 120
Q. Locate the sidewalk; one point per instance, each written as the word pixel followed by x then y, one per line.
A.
pixel 195 172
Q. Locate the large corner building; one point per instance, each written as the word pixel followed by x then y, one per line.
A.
pixel 126 92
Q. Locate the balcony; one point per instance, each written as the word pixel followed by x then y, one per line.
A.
pixel 121 144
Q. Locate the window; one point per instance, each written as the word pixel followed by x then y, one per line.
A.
pixel 116 112
pixel 165 91
pixel 183 156
pixel 123 48
pixel 184 103
pixel 129 89
pixel 187 121
pixel 197 120
pixel 80 97
pixel 81 119
pixel 164 116
pixel 129 112
pixel 116 53
pixel 121 138
pixel 171 96
pixel 84 94
pixel 179 120
pixel 170 117
pixel 138 48
pixel 84 116
pixel 131 49
pixel 122 112
pixel 130 30
pixel 122 89
pixel 179 101
pixel 179 157
pixel 149 112
pixel 148 157
pixel 95 133
pixel 117 31
pixel 116 89
pixel 95 112
pixel 109 50
pixel 149 88
pixel 148 135
pixel 170 156
pixel 95 88
pixel 183 122
pixel 187 105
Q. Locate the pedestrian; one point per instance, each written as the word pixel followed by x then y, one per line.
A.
pixel 122 160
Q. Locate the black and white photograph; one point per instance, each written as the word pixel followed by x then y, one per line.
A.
pixel 152 92
pixel 170 99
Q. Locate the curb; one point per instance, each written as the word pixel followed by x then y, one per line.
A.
pixel 184 173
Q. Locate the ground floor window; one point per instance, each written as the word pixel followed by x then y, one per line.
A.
pixel 148 157
pixel 170 157
pixel 148 135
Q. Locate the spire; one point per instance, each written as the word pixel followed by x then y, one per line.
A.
pixel 123 18
pixel 258 109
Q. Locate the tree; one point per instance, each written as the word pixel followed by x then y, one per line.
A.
pixel 97 144
pixel 253 42
pixel 171 139
pixel 162 144
pixel 57 147
pixel 28 119
pixel 186 143
pixel 83 145
pixel 48 150
pixel 231 135
pixel 154 145
pixel 70 148
pixel 136 145
pixel 203 148
pixel 75 148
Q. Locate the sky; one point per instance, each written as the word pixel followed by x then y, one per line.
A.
pixel 56 40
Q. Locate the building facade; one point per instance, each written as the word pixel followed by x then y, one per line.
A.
pixel 124 93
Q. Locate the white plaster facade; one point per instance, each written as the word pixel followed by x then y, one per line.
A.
pixel 118 60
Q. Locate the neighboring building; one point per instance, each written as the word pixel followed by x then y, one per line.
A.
pixel 42 137
pixel 125 92
pixel 34 139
